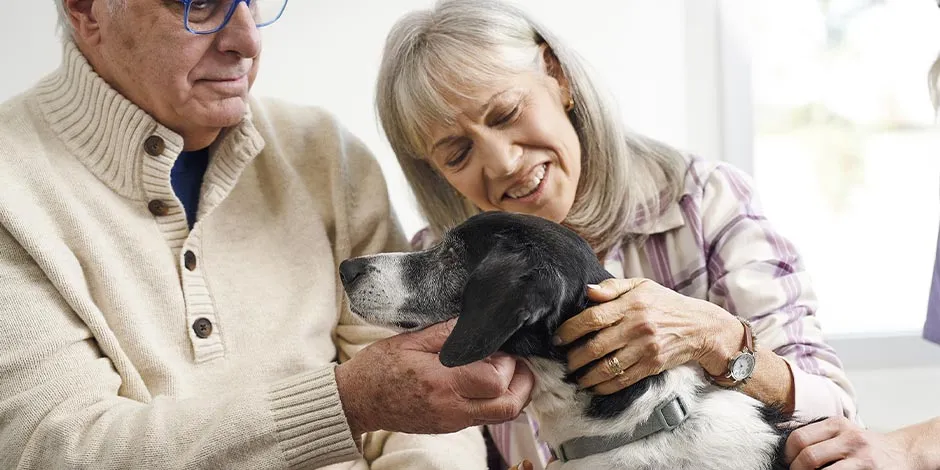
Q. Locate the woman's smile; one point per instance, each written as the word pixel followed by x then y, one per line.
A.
pixel 531 187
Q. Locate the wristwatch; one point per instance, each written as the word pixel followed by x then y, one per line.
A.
pixel 742 364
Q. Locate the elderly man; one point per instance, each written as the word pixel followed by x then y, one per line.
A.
pixel 168 253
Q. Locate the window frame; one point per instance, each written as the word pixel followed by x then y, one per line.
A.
pixel 720 122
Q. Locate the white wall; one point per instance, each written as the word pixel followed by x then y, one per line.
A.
pixel 659 57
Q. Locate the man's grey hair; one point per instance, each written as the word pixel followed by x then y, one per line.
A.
pixel 448 50
pixel 64 26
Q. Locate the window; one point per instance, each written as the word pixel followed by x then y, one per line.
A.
pixel 846 155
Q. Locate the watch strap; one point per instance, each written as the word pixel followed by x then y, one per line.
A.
pixel 726 380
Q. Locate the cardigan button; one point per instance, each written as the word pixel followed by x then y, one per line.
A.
pixel 158 208
pixel 202 327
pixel 189 260
pixel 154 146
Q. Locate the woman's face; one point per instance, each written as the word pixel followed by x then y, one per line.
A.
pixel 512 148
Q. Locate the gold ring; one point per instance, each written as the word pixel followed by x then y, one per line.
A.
pixel 613 365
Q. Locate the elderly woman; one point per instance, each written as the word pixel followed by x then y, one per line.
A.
pixel 487 110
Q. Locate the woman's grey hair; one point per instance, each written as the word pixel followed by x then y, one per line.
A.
pixel 447 51
pixel 64 26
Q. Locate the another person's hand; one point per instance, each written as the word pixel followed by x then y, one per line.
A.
pixel 840 444
pixel 524 465
pixel 649 329
pixel 399 384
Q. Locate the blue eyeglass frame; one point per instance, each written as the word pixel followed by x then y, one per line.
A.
pixel 228 16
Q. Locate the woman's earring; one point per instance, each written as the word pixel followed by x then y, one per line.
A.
pixel 570 105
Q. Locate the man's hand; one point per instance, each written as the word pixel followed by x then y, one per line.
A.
pixel 399 384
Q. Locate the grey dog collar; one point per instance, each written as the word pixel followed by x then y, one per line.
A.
pixel 666 417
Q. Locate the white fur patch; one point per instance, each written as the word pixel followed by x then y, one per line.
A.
pixel 724 429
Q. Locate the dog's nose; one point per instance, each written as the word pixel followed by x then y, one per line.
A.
pixel 351 269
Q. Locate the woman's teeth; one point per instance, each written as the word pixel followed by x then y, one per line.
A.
pixel 528 186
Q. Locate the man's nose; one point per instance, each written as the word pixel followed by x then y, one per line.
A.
pixel 241 34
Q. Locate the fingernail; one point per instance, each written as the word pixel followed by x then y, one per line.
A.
pixel 594 287
pixel 556 340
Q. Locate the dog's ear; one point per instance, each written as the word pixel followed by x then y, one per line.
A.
pixel 503 293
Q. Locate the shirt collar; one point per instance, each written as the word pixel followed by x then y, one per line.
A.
pixel 670 219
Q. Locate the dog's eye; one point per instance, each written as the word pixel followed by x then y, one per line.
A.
pixel 448 253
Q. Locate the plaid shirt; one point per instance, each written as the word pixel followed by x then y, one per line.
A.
pixel 715 244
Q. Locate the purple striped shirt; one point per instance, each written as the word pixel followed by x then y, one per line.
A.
pixel 715 244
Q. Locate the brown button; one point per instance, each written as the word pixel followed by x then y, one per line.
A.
pixel 189 260
pixel 202 327
pixel 158 207
pixel 154 146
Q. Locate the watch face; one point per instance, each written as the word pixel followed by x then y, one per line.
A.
pixel 742 367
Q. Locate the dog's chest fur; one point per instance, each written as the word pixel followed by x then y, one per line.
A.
pixel 725 429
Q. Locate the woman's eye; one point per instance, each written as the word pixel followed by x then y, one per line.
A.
pixel 202 4
pixel 506 117
pixel 459 158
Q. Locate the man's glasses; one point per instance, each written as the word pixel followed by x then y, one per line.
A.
pixel 210 16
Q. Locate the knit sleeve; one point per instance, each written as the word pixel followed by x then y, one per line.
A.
pixel 756 273
pixel 372 227
pixel 63 403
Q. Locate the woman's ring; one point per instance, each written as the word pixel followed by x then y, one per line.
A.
pixel 613 365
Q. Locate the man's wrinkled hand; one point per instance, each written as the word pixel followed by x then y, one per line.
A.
pixel 399 384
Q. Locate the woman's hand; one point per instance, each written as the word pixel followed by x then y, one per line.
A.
pixel 839 444
pixel 648 329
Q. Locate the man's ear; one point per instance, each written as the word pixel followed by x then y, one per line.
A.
pixel 83 16
pixel 502 294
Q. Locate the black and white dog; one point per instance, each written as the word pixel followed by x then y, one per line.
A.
pixel 514 279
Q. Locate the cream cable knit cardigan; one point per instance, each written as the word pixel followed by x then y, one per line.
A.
pixel 128 341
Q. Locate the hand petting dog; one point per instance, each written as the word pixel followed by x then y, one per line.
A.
pixel 401 378
pixel 648 329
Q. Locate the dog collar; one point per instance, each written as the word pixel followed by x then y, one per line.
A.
pixel 666 417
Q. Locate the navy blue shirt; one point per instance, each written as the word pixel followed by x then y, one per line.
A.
pixel 186 179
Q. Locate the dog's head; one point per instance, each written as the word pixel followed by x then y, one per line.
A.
pixel 511 279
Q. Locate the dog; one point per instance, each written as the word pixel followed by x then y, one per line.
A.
pixel 512 279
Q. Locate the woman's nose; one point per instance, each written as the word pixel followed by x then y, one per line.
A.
pixel 503 160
